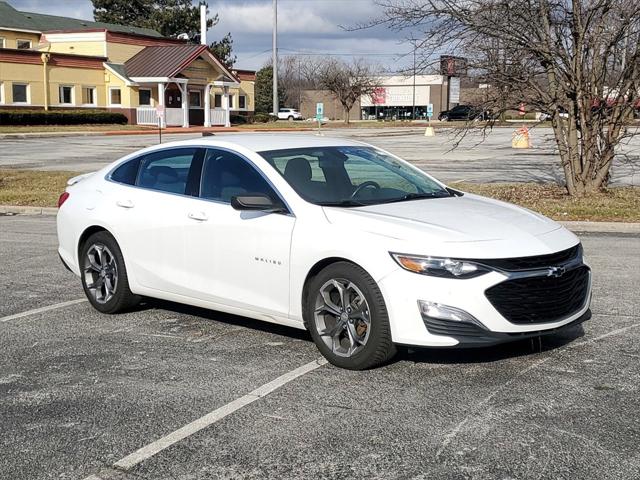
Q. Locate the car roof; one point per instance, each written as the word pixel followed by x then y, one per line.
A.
pixel 260 142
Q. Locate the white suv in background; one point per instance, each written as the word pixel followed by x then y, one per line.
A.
pixel 290 114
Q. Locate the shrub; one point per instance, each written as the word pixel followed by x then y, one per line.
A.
pixel 60 117
pixel 239 119
pixel 262 117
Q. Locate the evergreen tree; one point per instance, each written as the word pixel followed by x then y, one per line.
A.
pixel 223 49
pixel 168 17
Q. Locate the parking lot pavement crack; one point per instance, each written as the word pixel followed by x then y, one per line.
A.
pixel 449 437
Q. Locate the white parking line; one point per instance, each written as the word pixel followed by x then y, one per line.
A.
pixel 35 311
pixel 150 450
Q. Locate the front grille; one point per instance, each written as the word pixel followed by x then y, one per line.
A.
pixel 530 263
pixel 541 299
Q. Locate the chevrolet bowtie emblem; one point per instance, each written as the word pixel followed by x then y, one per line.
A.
pixel 556 271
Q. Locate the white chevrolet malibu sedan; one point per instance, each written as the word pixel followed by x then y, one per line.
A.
pixel 334 236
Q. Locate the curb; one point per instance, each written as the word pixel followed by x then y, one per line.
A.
pixel 577 227
pixel 18 210
pixel 602 227
pixel 49 135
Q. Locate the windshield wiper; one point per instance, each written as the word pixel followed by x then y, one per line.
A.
pixel 342 203
pixel 418 196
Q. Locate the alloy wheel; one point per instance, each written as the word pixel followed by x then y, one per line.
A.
pixel 342 317
pixel 100 273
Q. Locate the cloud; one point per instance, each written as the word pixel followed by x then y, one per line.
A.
pixel 82 9
pixel 303 26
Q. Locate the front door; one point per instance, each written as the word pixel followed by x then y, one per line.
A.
pixel 240 259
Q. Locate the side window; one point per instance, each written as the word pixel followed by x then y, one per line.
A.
pixel 127 172
pixel 226 174
pixel 167 170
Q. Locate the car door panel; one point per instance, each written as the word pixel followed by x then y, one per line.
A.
pixel 152 216
pixel 239 258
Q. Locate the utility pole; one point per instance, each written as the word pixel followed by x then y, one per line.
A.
pixel 275 58
pixel 413 116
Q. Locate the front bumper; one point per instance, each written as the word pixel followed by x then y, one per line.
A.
pixel 470 335
pixel 402 290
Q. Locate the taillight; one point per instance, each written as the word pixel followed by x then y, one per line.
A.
pixel 63 198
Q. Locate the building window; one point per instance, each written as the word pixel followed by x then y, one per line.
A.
pixel 195 98
pixel 217 100
pixel 115 96
pixel 88 95
pixel 65 95
pixel 144 96
pixel 230 102
pixel 20 92
pixel 23 44
pixel 242 102
pixel 2 42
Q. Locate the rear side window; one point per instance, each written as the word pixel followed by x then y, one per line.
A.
pixel 167 170
pixel 127 172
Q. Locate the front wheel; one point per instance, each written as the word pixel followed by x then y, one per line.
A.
pixel 444 118
pixel 347 318
pixel 104 275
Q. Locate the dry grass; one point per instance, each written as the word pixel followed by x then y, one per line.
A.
pixel 620 204
pixel 31 187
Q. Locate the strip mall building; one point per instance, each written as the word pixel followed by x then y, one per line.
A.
pixel 57 62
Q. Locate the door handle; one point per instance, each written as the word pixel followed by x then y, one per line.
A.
pixel 125 203
pixel 199 216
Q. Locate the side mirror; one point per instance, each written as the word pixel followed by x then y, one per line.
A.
pixel 256 202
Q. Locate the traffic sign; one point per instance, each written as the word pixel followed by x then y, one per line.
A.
pixel 430 110
pixel 160 111
pixel 319 111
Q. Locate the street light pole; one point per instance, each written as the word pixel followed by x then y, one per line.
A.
pixel 275 58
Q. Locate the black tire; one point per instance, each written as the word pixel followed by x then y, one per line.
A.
pixel 378 347
pixel 121 299
pixel 290 118
pixel 444 118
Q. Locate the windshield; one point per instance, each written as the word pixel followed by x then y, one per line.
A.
pixel 351 176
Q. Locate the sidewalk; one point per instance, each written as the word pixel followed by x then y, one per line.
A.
pixel 153 131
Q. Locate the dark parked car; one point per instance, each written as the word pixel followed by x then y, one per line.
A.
pixel 463 112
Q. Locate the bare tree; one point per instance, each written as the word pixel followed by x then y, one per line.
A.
pixel 347 81
pixel 577 60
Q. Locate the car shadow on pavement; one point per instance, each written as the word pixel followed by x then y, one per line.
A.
pixel 230 319
pixel 520 348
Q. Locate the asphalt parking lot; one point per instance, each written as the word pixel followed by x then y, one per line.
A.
pixel 80 391
pixel 476 159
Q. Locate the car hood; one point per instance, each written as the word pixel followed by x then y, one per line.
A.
pixel 469 226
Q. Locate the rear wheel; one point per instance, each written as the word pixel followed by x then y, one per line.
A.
pixel 290 118
pixel 104 275
pixel 347 317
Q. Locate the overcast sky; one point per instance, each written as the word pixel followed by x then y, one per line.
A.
pixel 304 26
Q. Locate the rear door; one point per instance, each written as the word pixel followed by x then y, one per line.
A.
pixel 153 216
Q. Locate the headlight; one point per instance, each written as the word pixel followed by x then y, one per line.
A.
pixel 439 267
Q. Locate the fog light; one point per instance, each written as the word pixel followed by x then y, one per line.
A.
pixel 445 312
